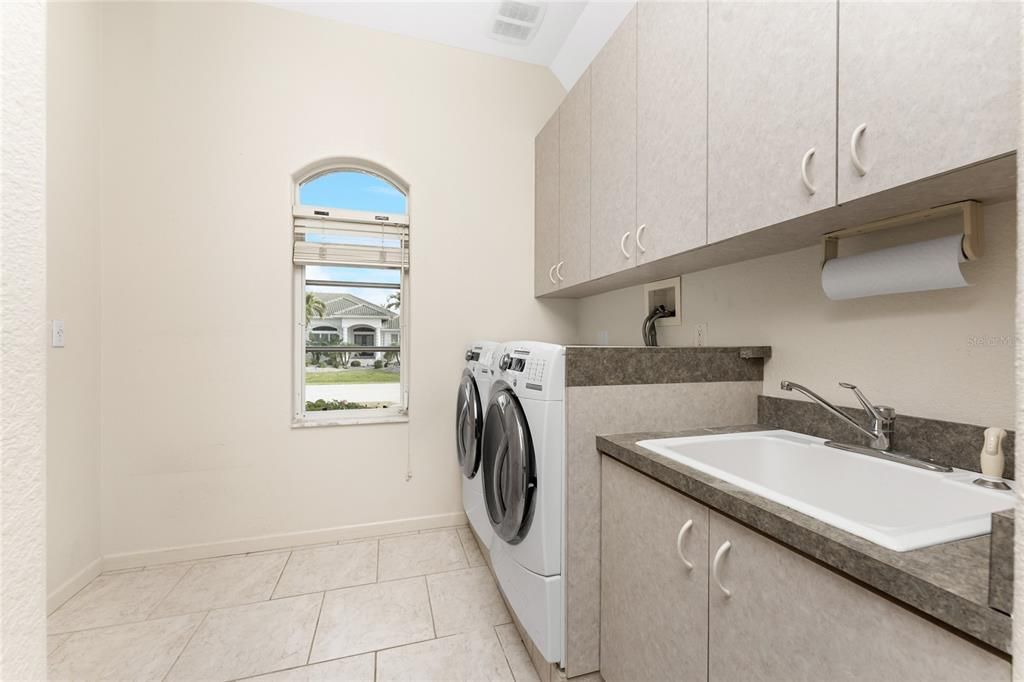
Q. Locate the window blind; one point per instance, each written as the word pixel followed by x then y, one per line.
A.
pixel 331 237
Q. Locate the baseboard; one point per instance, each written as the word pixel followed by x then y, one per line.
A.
pixel 115 562
pixel 73 585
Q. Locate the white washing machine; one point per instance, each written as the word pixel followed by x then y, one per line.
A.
pixel 474 390
pixel 524 486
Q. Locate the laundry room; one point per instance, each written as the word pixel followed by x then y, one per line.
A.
pixel 726 293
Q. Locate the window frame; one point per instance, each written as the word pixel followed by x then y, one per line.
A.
pixel 397 413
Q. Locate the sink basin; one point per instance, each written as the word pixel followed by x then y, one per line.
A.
pixel 891 504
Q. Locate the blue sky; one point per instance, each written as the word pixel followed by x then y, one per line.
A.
pixel 358 191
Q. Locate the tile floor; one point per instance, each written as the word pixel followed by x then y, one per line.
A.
pixel 416 606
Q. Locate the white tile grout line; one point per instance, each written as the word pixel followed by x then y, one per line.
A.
pixel 189 641
pixel 430 606
pixel 504 652
pixel 277 582
pixel 312 640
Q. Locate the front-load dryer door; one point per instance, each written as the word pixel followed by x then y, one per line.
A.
pixel 510 468
pixel 469 424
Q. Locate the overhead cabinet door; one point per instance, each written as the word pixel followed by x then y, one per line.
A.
pixel 545 207
pixel 574 185
pixel 613 160
pixel 924 88
pixel 771 113
pixel 671 133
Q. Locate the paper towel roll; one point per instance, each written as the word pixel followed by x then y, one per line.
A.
pixel 922 266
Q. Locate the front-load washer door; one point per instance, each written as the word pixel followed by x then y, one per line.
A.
pixel 510 468
pixel 468 425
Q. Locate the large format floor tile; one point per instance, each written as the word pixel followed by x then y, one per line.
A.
pixel 465 600
pixel 115 599
pixel 409 555
pixel 329 568
pixel 137 651
pixel 360 619
pixel 225 582
pixel 353 669
pixel 249 640
pixel 516 654
pixel 470 657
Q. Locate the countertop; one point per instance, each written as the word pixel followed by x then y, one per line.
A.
pixel 948 582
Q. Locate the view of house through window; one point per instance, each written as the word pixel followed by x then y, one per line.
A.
pixel 351 258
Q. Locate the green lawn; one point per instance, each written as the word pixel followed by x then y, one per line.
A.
pixel 353 376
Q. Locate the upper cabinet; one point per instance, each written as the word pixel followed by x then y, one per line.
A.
pixel 613 155
pixel 706 133
pixel 671 129
pixel 924 88
pixel 771 113
pixel 545 209
pixel 574 136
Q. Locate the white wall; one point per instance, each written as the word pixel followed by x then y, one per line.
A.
pixel 22 355
pixel 207 111
pixel 918 352
pixel 73 295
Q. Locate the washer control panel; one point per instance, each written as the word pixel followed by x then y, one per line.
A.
pixel 535 370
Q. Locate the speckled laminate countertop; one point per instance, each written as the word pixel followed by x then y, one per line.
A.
pixel 948 582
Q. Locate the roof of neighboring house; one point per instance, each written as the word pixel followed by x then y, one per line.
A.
pixel 347 305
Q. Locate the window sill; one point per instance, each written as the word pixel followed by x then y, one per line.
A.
pixel 350 421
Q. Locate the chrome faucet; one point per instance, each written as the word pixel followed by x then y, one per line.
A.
pixel 883 422
pixel 883 417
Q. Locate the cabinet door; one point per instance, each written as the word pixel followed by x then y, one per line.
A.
pixel 789 618
pixel 613 165
pixel 671 147
pixel 653 609
pixel 574 183
pixel 935 84
pixel 771 100
pixel 545 208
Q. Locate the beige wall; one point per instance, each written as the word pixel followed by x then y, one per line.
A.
pixel 22 330
pixel 207 111
pixel 918 352
pixel 73 295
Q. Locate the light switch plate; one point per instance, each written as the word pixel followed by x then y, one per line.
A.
pixel 57 334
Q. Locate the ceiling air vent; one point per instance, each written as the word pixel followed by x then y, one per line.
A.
pixel 517 22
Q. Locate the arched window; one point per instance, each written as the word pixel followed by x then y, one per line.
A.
pixel 351 258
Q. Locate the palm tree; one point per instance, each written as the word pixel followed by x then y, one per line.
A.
pixel 394 301
pixel 315 307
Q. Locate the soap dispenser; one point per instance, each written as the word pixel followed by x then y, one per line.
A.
pixel 992 460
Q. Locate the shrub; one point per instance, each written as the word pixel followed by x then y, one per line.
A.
pixel 377 364
pixel 334 361
pixel 324 405
pixel 356 363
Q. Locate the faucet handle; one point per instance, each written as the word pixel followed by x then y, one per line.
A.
pixel 882 412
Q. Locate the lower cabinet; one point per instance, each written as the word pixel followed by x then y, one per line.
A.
pixel 761 612
pixel 654 605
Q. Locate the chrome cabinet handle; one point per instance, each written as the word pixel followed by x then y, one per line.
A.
pixel 854 139
pixel 622 245
pixel 558 271
pixel 639 236
pixel 722 551
pixel 551 275
pixel 803 171
pixel 683 532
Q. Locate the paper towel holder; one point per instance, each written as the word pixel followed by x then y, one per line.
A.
pixel 970 212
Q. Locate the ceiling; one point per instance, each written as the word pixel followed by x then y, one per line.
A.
pixel 569 36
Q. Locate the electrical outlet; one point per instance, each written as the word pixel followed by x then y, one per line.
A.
pixel 57 334
pixel 701 335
